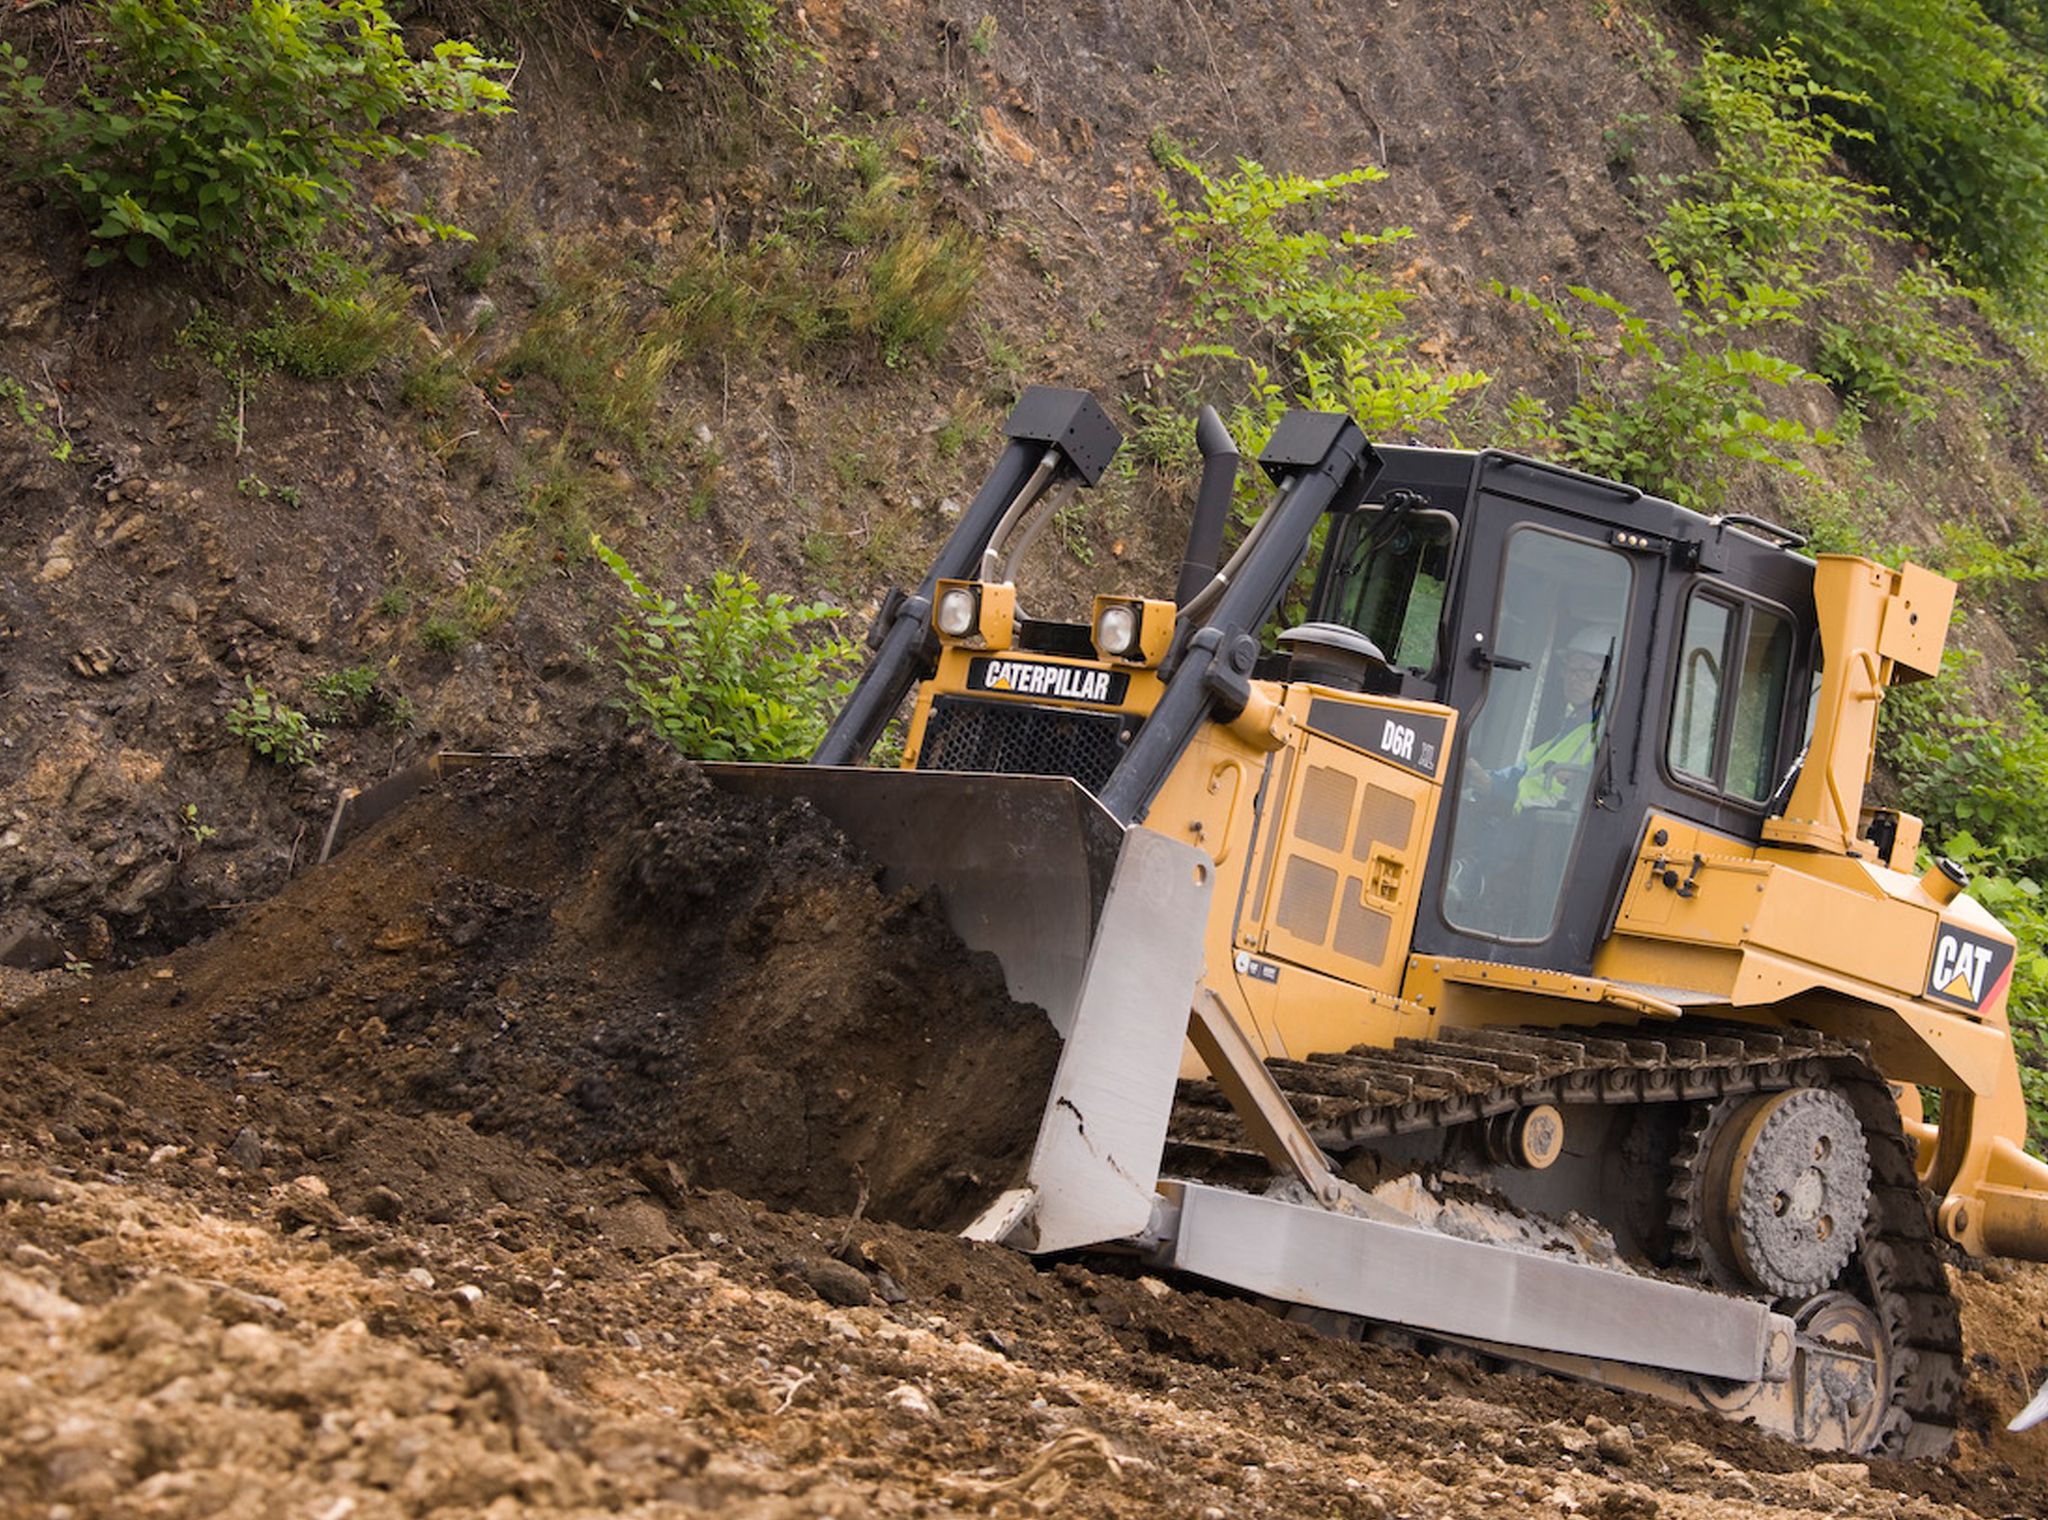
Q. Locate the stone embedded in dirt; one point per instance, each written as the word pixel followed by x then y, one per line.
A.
pixel 28 1187
pixel 836 1282
pixel 29 1298
pixel 93 661
pixel 30 949
pixel 910 1400
pixel 246 1149
pixel 251 1343
pixel 1843 1474
pixel 381 1203
pixel 637 1225
pixel 1616 1445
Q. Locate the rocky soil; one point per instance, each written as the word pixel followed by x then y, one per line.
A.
pixel 551 1151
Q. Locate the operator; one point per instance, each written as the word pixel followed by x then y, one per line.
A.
pixel 1545 775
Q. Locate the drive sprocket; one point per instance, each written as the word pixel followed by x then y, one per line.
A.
pixel 1772 1191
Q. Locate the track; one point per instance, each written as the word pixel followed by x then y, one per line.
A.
pixel 1353 1100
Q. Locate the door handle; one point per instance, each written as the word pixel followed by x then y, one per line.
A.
pixel 1485 659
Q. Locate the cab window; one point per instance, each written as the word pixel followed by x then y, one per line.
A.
pixel 1387 578
pixel 1727 707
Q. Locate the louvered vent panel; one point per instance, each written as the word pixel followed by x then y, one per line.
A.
pixel 1361 932
pixel 1387 818
pixel 1325 816
pixel 1306 895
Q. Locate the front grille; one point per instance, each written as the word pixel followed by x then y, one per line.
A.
pixel 1019 739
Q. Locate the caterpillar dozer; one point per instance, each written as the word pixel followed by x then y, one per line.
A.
pixel 1503 956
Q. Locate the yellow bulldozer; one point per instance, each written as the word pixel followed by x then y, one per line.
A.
pixel 1504 955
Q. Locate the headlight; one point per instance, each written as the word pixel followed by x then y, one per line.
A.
pixel 956 615
pixel 1116 631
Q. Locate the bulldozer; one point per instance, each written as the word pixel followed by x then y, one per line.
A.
pixel 1503 956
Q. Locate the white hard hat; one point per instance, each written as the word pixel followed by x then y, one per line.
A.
pixel 1597 642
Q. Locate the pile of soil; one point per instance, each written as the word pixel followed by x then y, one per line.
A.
pixel 604 957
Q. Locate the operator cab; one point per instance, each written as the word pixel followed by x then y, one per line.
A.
pixel 1609 654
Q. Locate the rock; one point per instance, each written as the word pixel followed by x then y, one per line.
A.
pixel 1616 1445
pixel 637 1225
pixel 251 1345
pixel 836 1282
pixel 663 1178
pixel 311 1186
pixel 469 1295
pixel 30 949
pixel 56 568
pixel 420 1278
pixel 28 1187
pixel 910 1399
pixel 381 1203
pixel 27 1297
pixel 246 1151
pixel 183 606
pixel 525 1292
pixel 1843 1474
pixel 93 661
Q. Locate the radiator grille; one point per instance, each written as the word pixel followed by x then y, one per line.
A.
pixel 1325 814
pixel 1020 739
pixel 1361 931
pixel 1387 818
pixel 1306 895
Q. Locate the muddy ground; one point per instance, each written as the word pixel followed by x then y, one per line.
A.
pixel 550 1151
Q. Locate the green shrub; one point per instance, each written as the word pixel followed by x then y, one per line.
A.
pixel 715 35
pixel 1769 213
pixel 913 290
pixel 1263 277
pixel 280 734
pixel 1899 352
pixel 727 673
pixel 224 131
pixel 334 333
pixel 27 412
pixel 589 338
pixel 1682 408
pixel 1768 208
pixel 1952 103
pixel 1284 313
pixel 357 696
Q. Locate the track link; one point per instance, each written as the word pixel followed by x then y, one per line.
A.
pixel 1350 1099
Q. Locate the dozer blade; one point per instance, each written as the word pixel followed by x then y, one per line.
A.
pixel 1099 925
pixel 1022 864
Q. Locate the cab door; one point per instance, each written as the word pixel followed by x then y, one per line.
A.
pixel 1550 638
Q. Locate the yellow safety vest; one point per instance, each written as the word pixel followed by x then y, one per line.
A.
pixel 1541 789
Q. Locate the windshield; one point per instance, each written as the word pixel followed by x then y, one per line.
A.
pixel 1387 579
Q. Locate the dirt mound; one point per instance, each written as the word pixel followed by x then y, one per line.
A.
pixel 604 957
pixel 411 1191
